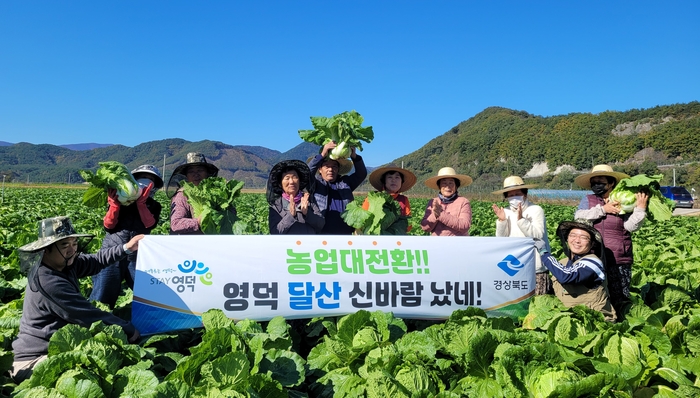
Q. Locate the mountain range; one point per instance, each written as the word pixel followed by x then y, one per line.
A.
pixel 488 146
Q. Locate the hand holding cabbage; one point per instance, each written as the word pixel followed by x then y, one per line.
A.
pixel 345 129
pixel 112 175
pixel 382 218
pixel 213 205
pixel 659 208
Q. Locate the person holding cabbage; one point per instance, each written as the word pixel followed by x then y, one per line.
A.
pixel 614 225
pixel 182 221
pixel 334 187
pixel 121 223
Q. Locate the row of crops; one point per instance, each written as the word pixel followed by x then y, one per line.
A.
pixel 553 351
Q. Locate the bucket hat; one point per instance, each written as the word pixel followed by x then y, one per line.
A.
pixel 584 180
pixel 193 159
pixel 151 170
pixel 196 159
pixel 566 226
pixel 447 172
pixel 513 183
pixel 52 230
pixel 375 178
pixel 274 181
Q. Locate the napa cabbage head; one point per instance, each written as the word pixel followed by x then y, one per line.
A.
pixel 658 208
pixel 112 175
pixel 345 129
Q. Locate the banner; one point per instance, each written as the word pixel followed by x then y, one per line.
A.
pixel 304 276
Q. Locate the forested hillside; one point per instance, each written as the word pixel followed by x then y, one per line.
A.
pixel 499 142
pixel 492 144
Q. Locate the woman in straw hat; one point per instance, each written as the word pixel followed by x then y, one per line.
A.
pixel 195 170
pixel 293 210
pixel 448 214
pixel 393 180
pixel 615 229
pixel 52 298
pixel 523 219
pixel 333 188
pixel 580 278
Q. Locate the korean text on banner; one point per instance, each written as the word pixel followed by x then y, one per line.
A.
pixel 259 277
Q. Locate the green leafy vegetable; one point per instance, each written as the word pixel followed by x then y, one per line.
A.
pixel 212 203
pixel 659 207
pixel 109 175
pixel 383 216
pixel 345 129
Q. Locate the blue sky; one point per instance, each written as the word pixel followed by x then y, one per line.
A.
pixel 252 72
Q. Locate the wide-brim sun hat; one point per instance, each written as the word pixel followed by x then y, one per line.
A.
pixel 566 226
pixel 513 183
pixel 584 180
pixel 52 230
pixel 150 170
pixel 447 172
pixel 375 178
pixel 274 181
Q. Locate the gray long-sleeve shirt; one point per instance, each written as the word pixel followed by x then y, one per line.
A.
pixel 53 300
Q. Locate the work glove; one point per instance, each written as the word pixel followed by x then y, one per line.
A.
pixel 146 217
pixel 541 246
pixel 112 217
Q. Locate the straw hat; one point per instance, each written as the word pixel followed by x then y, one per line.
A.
pixel 274 182
pixel 52 230
pixel 375 178
pixel 566 226
pixel 584 180
pixel 513 183
pixel 447 172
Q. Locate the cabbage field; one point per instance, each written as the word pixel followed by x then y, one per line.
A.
pixel 552 352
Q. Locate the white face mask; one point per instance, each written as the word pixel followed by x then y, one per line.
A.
pixel 515 201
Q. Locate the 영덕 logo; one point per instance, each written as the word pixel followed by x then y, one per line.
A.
pixel 198 268
pixel 511 265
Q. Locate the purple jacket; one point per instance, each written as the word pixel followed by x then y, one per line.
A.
pixel 615 237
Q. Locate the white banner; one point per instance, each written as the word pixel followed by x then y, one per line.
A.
pixel 303 276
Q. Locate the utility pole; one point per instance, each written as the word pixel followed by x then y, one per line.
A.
pixel 3 189
pixel 674 176
pixel 163 167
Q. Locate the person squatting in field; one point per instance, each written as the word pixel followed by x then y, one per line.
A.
pixel 614 228
pixel 448 214
pixel 122 223
pixel 293 209
pixel 523 219
pixel 394 181
pixel 580 278
pixel 52 298
pixel 334 187
pixel 194 171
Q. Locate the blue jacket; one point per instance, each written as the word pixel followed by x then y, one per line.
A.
pixel 334 196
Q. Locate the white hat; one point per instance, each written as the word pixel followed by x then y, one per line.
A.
pixel 447 172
